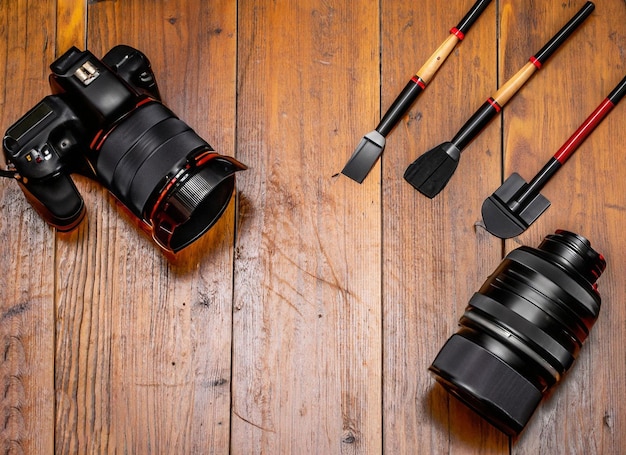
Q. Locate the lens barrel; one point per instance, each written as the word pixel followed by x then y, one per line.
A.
pixel 523 330
pixel 166 174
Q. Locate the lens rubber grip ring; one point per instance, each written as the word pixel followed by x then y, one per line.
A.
pixel 545 349
pixel 486 384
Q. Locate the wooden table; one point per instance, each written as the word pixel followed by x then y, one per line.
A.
pixel 305 321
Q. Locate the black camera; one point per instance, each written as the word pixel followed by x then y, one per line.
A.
pixel 105 120
pixel 523 329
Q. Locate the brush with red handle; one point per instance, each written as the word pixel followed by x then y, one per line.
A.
pixel 516 204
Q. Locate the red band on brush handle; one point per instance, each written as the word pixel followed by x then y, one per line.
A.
pixel 583 131
pixel 535 62
pixel 458 33
pixel 418 80
pixel 495 104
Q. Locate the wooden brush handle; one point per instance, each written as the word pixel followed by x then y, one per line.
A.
pixel 510 88
pixel 434 62
pixel 428 70
pixel 418 83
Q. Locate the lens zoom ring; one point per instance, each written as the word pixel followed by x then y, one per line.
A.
pixel 544 349
pixel 577 292
pixel 530 297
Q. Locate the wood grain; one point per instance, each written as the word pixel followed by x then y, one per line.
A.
pixel 143 354
pixel 306 319
pixel 26 247
pixel 434 256
pixel 71 25
pixel 307 323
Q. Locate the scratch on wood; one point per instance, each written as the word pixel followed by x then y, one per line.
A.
pixel 619 208
pixel 157 384
pixel 287 301
pixel 333 284
pixel 343 291
pixel 254 424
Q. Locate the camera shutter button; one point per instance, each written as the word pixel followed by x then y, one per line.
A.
pixel 40 156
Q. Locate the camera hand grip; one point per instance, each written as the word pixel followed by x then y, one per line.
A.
pixel 57 200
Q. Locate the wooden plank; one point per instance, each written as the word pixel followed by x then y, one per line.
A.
pixel 583 413
pixel 435 257
pixel 144 340
pixel 307 321
pixel 71 24
pixel 26 245
pixel 343 293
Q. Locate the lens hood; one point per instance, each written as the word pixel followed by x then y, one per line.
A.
pixel 194 201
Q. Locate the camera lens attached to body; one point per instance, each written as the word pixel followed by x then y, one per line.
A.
pixel 166 174
pixel 523 330
pixel 105 119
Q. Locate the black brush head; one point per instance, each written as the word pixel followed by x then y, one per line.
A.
pixel 500 221
pixel 365 156
pixel 504 216
pixel 430 173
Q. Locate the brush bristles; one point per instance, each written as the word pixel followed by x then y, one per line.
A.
pixel 431 172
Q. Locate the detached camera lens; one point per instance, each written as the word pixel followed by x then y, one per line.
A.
pixel 523 330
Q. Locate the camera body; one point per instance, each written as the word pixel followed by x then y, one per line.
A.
pixel 105 119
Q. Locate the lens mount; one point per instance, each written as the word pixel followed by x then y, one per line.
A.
pixel 574 252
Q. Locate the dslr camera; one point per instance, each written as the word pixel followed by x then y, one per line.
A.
pixel 105 119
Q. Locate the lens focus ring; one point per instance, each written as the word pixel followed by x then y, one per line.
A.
pixel 188 197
